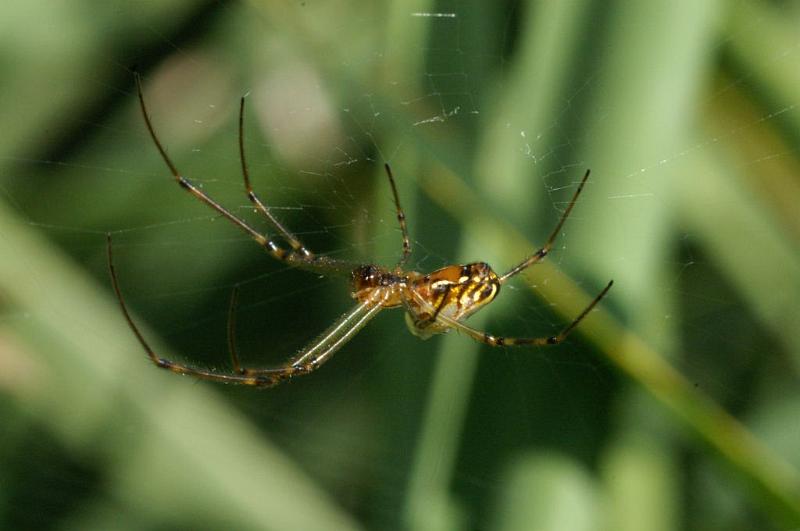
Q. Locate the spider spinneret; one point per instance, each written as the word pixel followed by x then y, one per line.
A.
pixel 435 302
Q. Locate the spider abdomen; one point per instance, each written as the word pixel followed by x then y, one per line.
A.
pixel 454 292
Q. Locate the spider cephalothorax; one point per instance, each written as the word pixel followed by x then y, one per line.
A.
pixel 435 302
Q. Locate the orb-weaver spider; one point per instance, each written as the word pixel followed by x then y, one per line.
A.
pixel 435 302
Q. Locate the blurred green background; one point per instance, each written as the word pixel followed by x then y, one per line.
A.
pixel 673 406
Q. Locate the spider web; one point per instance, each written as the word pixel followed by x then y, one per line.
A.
pixel 489 116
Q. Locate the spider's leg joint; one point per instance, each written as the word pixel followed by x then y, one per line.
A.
pixel 552 340
pixel 263 381
pixel 303 368
pixel 496 341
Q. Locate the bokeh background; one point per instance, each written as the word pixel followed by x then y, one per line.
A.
pixel 673 406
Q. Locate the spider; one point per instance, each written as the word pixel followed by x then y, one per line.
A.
pixel 435 302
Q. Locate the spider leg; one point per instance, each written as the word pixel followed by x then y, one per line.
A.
pixel 401 218
pixel 261 380
pixel 318 351
pixel 311 357
pixel 290 238
pixel 321 264
pixel 541 253
pixel 500 341
pixel 306 361
pixel 335 337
